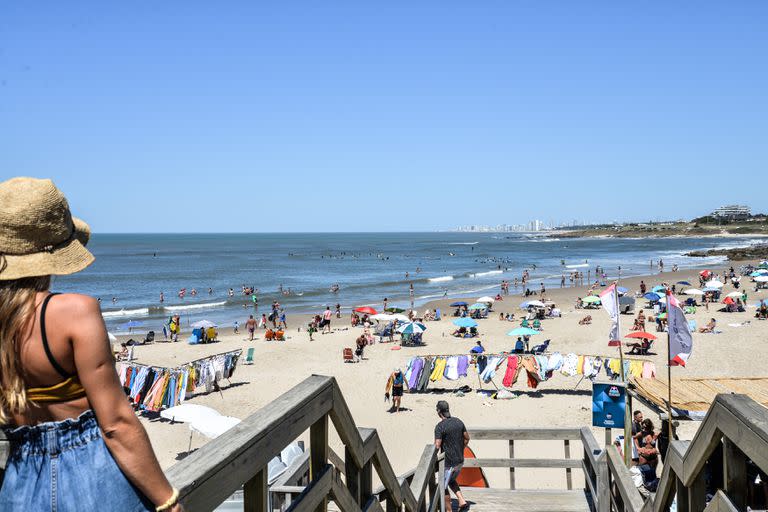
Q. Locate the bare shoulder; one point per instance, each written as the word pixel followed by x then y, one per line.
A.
pixel 75 305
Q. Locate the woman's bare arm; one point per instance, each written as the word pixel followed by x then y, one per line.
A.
pixel 123 433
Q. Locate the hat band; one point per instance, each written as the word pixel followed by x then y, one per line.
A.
pixel 47 248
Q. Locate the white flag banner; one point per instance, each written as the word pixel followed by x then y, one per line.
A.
pixel 610 302
pixel 680 337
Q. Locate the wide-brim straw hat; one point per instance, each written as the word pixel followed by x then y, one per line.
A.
pixel 38 235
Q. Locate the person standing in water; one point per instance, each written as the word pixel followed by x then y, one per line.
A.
pixel 75 441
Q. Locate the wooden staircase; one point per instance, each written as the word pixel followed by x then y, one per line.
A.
pixel 238 461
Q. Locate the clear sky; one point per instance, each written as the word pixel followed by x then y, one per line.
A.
pixel 401 115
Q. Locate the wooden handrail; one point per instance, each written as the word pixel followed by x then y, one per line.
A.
pixel 630 496
pixel 524 434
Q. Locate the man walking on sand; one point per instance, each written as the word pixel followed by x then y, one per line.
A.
pixel 327 319
pixel 250 324
pixel 451 437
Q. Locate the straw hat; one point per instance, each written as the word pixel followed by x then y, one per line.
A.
pixel 38 235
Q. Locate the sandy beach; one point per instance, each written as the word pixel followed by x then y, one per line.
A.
pixel 736 351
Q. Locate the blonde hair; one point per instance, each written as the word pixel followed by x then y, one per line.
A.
pixel 17 314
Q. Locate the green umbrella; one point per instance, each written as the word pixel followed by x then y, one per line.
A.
pixel 394 310
pixel 591 299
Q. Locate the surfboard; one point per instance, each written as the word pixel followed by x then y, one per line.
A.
pixel 471 477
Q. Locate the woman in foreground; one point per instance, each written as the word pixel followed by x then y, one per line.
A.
pixel 75 441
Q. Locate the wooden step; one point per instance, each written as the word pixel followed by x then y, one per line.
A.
pixel 505 500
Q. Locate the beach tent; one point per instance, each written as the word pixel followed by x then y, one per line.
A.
pixel 523 331
pixel 366 310
pixel 487 299
pixel 693 291
pixel 591 299
pixel 464 322
pixel 458 304
pixel 478 305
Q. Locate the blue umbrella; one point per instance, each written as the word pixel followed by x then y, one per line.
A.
pixel 522 331
pixel 457 304
pixel 621 289
pixel 652 296
pixel 464 322
pixel 659 289
pixel 132 323
pixel 686 283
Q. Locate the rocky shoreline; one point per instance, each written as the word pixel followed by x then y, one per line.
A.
pixel 753 252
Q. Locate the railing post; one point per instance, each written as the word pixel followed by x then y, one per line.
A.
pixel 697 494
pixel 512 469
pixel 255 493
pixel 318 453
pixel 568 479
pixel 603 497
pixel 366 482
pixel 441 482
pixel 352 476
pixel 681 495
pixel 735 474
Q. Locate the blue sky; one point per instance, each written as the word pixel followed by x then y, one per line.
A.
pixel 350 116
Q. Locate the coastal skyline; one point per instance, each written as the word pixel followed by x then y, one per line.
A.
pixel 389 118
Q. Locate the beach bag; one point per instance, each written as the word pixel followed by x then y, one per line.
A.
pixel 193 340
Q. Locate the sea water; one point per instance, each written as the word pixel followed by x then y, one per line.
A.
pixel 367 267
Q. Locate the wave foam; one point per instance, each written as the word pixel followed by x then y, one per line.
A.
pixel 489 273
pixel 126 312
pixel 204 305
pixel 440 279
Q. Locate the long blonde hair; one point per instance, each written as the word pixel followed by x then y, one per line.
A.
pixel 17 314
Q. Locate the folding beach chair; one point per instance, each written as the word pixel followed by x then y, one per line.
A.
pixel 349 355
pixel 692 325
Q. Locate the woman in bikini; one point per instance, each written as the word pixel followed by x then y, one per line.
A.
pixel 75 442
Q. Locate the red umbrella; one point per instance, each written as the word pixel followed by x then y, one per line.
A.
pixel 366 310
pixel 704 273
pixel 641 335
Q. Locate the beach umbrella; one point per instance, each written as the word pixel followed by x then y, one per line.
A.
pixel 734 294
pixel 661 290
pixel 686 283
pixel 534 303
pixel 412 328
pixel 693 291
pixel 523 331
pixel 214 426
pixel 652 296
pixel 758 273
pixel 728 300
pixel 761 279
pixel 187 413
pixel 478 305
pixel 394 310
pixel 464 322
pixel 489 300
pixel 458 304
pixel 641 335
pixel 133 323
pixel 705 273
pixel 591 299
pixel 621 290
pixel 763 264
pixel 709 289
pixel 366 310
pixel 713 284
pixel 384 317
pixel 203 324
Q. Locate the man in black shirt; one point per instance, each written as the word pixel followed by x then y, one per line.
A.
pixel 451 437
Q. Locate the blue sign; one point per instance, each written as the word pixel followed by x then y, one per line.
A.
pixel 609 403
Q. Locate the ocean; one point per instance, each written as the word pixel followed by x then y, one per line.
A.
pixel 134 268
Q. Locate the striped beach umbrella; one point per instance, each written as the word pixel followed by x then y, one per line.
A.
pixel 412 328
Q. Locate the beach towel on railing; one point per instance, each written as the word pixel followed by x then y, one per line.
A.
pixel 490 370
pixel 438 370
pixel 570 364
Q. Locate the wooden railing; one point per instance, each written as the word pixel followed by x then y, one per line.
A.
pixel 512 435
pixel 734 431
pixel 239 458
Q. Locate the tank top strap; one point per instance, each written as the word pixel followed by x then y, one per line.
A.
pixel 44 336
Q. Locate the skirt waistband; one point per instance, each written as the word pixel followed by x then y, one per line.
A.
pixel 53 437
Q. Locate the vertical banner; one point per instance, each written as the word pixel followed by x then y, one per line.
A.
pixel 609 404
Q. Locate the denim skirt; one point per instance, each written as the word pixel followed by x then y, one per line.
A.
pixel 65 466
